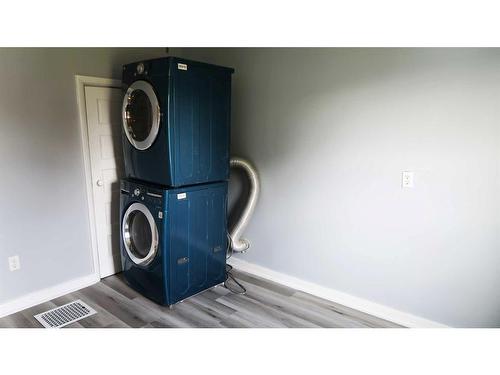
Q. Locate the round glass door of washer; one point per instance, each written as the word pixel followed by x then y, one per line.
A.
pixel 141 115
pixel 140 234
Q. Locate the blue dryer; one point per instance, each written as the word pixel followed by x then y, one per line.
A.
pixel 176 121
pixel 173 241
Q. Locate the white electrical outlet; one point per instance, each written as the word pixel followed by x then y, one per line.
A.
pixel 14 263
pixel 407 179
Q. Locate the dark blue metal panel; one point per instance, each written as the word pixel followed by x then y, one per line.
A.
pixel 198 238
pixel 200 124
pixel 192 240
pixel 192 146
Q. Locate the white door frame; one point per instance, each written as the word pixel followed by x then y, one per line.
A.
pixel 81 83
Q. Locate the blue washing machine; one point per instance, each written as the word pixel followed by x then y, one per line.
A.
pixel 173 241
pixel 176 119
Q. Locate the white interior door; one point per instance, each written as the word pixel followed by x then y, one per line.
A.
pixel 103 107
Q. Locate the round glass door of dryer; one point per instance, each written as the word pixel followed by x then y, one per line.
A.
pixel 141 115
pixel 140 234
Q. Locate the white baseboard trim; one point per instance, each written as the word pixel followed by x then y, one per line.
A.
pixel 47 294
pixel 360 304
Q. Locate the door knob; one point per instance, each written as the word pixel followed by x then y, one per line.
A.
pixel 100 183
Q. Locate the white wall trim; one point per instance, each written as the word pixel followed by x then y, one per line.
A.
pixel 81 82
pixel 44 295
pixel 360 304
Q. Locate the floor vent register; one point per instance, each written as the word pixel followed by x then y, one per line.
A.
pixel 66 314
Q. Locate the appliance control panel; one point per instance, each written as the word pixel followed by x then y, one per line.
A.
pixel 141 193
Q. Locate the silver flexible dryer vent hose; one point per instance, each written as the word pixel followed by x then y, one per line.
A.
pixel 239 244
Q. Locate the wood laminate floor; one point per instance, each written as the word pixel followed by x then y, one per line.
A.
pixel 265 305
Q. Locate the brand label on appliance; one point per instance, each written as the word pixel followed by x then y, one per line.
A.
pixel 182 66
pixel 181 196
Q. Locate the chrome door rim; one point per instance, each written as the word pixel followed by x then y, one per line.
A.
pixel 155 108
pixel 126 234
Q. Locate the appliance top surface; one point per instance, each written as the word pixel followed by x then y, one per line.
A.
pixel 167 59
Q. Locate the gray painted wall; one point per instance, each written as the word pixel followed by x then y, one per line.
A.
pixel 44 216
pixel 331 130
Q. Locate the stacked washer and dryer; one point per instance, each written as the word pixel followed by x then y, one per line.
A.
pixel 173 202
